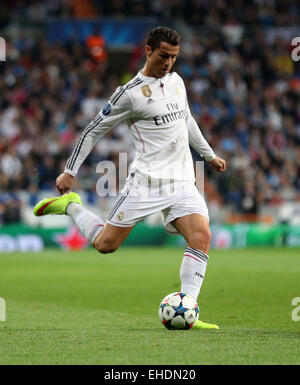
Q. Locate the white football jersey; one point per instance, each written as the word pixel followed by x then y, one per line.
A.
pixel 160 124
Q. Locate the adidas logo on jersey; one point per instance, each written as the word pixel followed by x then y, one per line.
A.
pixel 150 101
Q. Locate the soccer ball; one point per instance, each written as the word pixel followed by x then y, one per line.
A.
pixel 178 311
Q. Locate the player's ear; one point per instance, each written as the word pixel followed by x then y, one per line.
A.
pixel 148 50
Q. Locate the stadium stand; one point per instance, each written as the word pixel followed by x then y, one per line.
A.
pixel 244 92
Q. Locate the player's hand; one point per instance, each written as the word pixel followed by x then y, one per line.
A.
pixel 64 182
pixel 218 164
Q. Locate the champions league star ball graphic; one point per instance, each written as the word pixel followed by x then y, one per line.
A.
pixel 178 311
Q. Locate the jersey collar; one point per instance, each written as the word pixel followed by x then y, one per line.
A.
pixel 152 79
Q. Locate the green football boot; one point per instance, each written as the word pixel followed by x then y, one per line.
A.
pixel 56 205
pixel 203 325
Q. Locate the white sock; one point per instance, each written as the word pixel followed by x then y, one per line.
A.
pixel 192 271
pixel 88 223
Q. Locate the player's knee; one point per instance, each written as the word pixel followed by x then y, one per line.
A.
pixel 106 249
pixel 105 246
pixel 200 240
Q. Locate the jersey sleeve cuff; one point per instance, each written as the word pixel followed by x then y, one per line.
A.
pixel 209 158
pixel 69 172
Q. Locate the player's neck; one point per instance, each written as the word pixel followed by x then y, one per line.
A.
pixel 146 72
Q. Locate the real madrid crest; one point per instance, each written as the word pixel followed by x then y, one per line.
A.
pixel 146 91
pixel 120 216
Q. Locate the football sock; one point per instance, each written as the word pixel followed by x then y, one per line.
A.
pixel 192 271
pixel 88 223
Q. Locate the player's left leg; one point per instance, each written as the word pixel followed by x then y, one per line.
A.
pixel 195 229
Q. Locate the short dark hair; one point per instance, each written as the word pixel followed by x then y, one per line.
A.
pixel 165 34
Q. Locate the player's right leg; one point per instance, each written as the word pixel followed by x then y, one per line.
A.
pixel 105 238
pixel 111 238
pixel 56 205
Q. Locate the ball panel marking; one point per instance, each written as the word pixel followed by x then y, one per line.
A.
pixel 174 300
pixel 178 322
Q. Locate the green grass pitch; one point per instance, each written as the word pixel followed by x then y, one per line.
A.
pixel 87 308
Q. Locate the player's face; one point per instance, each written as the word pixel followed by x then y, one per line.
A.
pixel 161 60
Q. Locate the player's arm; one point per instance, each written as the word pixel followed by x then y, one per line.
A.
pixel 116 110
pixel 199 143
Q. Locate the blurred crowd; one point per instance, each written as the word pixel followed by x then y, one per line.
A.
pixel 194 12
pixel 246 99
pixel 244 92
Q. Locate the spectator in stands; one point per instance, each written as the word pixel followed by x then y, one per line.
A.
pixel 96 45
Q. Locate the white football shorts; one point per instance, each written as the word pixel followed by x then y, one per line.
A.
pixel 143 196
